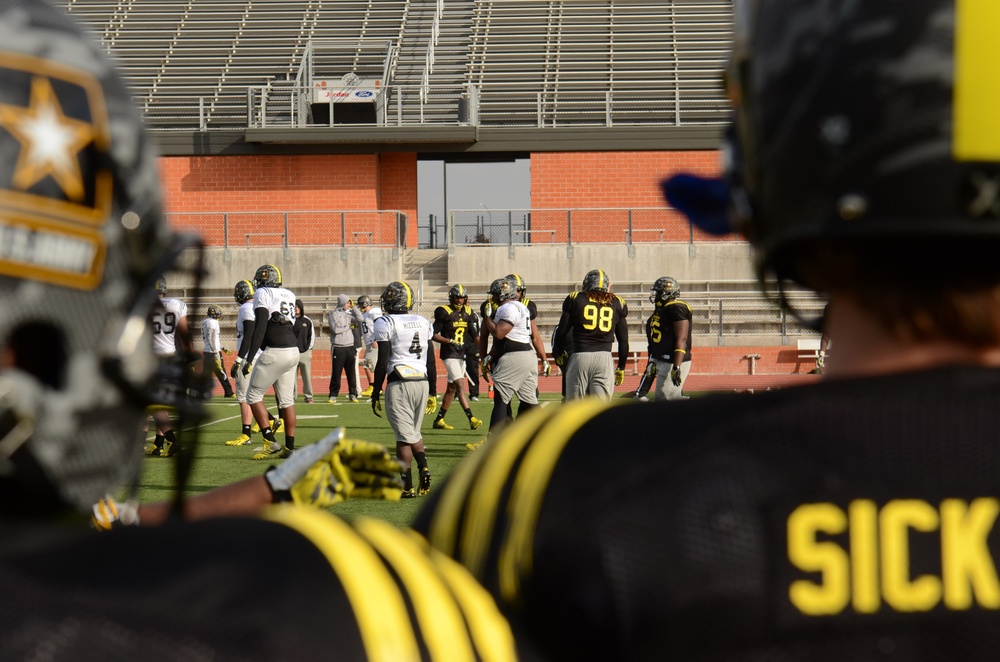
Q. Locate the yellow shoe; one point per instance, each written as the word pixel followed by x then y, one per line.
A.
pixel 425 482
pixel 474 423
pixel 277 425
pixel 255 428
pixel 170 448
pixel 241 440
pixel 477 445
pixel 367 393
pixel 152 450
pixel 268 450
pixel 440 424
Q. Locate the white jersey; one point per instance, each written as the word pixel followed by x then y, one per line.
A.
pixel 516 313
pixel 368 325
pixel 210 336
pixel 166 317
pixel 276 300
pixel 408 336
pixel 245 313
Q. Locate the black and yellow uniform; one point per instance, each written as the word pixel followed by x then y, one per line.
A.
pixel 454 324
pixel 660 336
pixel 597 319
pixel 354 592
pixel 847 520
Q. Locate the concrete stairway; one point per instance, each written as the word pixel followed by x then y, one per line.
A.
pixel 426 271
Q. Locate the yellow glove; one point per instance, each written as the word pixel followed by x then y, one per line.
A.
pixel 487 367
pixel 651 370
pixel 561 359
pixel 377 407
pixel 432 404
pixel 619 377
pixel 546 368
pixel 334 469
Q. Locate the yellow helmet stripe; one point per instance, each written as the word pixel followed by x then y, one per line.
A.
pixel 976 101
pixel 379 607
pixel 409 295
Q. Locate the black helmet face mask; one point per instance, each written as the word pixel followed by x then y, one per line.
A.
pixel 83 244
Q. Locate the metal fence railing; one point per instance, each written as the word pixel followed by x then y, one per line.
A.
pixel 254 229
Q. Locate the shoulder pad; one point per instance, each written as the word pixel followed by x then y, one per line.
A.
pixel 621 300
pixel 572 295
pixel 446 309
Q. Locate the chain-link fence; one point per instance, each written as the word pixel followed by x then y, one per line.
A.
pixel 294 228
pixel 574 226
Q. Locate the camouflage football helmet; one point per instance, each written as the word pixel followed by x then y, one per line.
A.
pixel 364 301
pixel 397 297
pixel 456 293
pixel 161 286
pixel 522 287
pixel 267 275
pixel 503 289
pixel 596 281
pixel 664 289
pixel 243 291
pixel 215 312
pixel 85 244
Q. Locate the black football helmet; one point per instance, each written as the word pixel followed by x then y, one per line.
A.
pixel 522 287
pixel 243 291
pixel 503 289
pixel 215 312
pixel 267 275
pixel 456 293
pixel 397 297
pixel 596 281
pixel 664 289
pixel 364 301
pixel 77 308
pixel 161 286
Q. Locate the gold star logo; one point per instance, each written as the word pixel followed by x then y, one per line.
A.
pixel 50 141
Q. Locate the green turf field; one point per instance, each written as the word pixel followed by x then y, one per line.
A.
pixel 217 464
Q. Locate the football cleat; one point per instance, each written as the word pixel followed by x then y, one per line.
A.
pixel 170 448
pixel 440 424
pixel 285 452
pixel 277 425
pixel 152 450
pixel 474 423
pixel 409 494
pixel 354 399
pixel 332 401
pixel 475 446
pixel 474 398
pixel 269 449
pixel 425 481
pixel 241 440
pixel 367 393
pixel 256 427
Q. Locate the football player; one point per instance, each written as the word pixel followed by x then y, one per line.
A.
pixel 274 316
pixel 854 518
pixel 668 336
pixel 369 313
pixel 451 324
pixel 170 333
pixel 597 318
pixel 245 320
pixel 83 242
pixel 212 358
pixel 406 366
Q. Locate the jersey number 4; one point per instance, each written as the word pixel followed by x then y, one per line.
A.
pixel 416 347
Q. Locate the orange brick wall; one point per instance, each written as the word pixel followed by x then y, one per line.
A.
pixel 293 183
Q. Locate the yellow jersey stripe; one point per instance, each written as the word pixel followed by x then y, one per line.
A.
pixel 442 623
pixel 528 490
pixel 379 607
pixel 976 102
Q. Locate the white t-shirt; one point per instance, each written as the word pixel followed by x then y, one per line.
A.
pixel 516 313
pixel 368 325
pixel 408 336
pixel 166 317
pixel 210 335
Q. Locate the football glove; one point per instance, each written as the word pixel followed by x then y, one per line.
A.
pixel 235 368
pixel 334 469
pixel 487 368
pixel 821 360
pixel 432 404
pixel 561 359
pixel 675 375
pixel 619 377
pixel 247 366
pixel 108 514
pixel 376 406
pixel 650 370
pixel 546 368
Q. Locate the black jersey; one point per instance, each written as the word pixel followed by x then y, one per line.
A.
pixel 315 588
pixel 454 323
pixel 489 309
pixel 660 335
pixel 595 323
pixel 848 520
